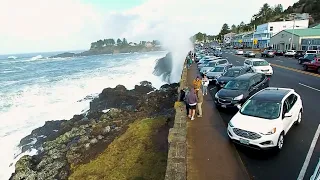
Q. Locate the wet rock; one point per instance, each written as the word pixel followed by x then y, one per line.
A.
pixel 82 138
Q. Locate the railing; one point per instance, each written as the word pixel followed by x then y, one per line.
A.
pixel 177 153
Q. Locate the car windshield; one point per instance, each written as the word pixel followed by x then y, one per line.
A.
pixel 261 108
pixel 237 85
pixel 217 69
pixel 232 73
pixel 308 56
pixel 260 63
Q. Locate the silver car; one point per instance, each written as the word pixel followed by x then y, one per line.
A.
pixel 214 73
pixel 213 64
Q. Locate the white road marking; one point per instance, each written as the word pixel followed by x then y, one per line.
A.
pixel 238 61
pixel 279 60
pixel 309 87
pixel 307 160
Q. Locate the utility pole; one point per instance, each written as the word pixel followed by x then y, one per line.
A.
pixel 254 27
pixel 294 24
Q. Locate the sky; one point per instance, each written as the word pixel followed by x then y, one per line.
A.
pixel 62 25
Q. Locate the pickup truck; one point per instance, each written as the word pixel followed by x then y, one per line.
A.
pixel 314 65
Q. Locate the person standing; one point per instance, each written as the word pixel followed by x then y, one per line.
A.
pixel 205 84
pixel 197 83
pixel 192 100
pixel 186 91
pixel 199 103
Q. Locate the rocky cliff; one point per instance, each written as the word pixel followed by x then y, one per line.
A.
pixel 92 145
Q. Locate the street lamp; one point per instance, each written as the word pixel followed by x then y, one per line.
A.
pixel 294 24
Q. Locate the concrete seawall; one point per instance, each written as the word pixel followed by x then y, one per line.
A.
pixel 177 154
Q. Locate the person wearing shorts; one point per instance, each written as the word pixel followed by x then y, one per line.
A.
pixel 192 100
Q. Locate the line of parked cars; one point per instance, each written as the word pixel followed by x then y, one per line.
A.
pixel 265 114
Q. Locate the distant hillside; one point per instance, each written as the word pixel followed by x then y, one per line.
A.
pixel 306 6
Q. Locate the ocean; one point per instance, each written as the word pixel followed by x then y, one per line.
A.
pixel 35 89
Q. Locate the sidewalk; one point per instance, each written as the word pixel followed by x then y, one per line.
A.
pixel 210 155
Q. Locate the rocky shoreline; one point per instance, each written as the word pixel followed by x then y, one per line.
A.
pixel 64 145
pixel 108 50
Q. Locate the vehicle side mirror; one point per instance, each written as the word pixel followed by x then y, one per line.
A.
pixel 288 114
pixel 239 106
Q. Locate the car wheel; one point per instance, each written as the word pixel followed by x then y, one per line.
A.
pixel 280 142
pixel 318 70
pixel 305 67
pixel 299 61
pixel 299 118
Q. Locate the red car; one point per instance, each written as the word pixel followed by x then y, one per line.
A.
pixel 313 65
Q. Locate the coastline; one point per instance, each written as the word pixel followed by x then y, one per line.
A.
pixel 65 144
pixel 109 50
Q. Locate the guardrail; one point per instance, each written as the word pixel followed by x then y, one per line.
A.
pixel 177 154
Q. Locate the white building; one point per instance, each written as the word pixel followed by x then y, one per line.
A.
pixel 265 31
pixel 227 38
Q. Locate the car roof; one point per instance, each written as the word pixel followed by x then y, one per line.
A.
pixel 222 65
pixel 272 94
pixel 237 67
pixel 245 76
pixel 255 59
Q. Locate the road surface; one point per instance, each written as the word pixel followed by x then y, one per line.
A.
pixel 287 165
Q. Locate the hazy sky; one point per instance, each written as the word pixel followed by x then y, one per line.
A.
pixel 54 25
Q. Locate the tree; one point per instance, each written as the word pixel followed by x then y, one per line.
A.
pixel 119 42
pixel 99 44
pixel 234 28
pixel 124 41
pixel 93 45
pixel 142 43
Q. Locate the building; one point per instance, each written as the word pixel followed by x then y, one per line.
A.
pixel 302 39
pixel 227 38
pixel 241 39
pixel 265 31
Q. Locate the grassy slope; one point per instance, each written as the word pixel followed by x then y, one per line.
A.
pixel 131 156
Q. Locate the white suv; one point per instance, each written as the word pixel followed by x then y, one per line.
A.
pixel 265 118
pixel 259 66
pixel 290 53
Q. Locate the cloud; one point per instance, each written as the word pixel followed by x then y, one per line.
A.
pixel 38 25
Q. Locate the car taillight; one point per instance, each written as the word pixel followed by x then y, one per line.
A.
pixel 268 79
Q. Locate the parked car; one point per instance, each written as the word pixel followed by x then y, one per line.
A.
pixel 238 90
pixel 217 71
pixel 299 54
pixel 290 53
pixel 230 74
pixel 259 66
pixel 268 53
pixel 306 58
pixel 265 118
pixel 249 54
pixel 313 52
pixel 213 64
pixel 314 65
pixel 208 58
pixel 279 53
pixel 218 53
pixel 239 52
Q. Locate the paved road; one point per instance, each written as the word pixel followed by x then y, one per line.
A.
pixel 289 62
pixel 288 163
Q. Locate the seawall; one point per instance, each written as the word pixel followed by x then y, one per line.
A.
pixel 177 153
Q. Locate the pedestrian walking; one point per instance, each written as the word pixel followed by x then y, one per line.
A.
pixel 205 84
pixel 192 100
pixel 199 102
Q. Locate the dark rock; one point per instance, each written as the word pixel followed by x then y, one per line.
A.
pixel 66 54
pixel 82 138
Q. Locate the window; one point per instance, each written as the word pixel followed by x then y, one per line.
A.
pixel 223 62
pixel 292 99
pixel 285 108
pixel 271 28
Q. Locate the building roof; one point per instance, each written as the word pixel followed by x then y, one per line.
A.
pixel 305 32
pixel 244 33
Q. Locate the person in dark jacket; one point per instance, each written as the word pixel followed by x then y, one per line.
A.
pixel 192 101
pixel 185 99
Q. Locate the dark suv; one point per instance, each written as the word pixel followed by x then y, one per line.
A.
pixel 238 90
pixel 232 73
pixel 299 54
